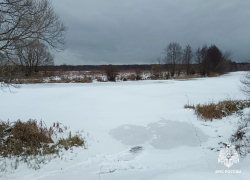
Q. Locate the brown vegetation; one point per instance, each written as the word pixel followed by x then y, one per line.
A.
pixel 33 138
pixel 188 106
pixel 111 72
pixel 210 111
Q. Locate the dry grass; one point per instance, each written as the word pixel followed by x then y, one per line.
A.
pixel 100 79
pixel 210 111
pixel 81 80
pixel 213 74
pixel 131 77
pixel 188 106
pixel 33 138
pixel 62 79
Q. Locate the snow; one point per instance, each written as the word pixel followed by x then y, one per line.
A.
pixel 134 130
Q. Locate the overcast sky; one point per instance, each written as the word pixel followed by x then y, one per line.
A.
pixel 137 31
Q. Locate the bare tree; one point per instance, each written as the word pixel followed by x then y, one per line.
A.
pixel 173 56
pixel 32 20
pixel 198 58
pixel 23 21
pixel 32 56
pixel 187 58
pixel 204 62
pixel 227 55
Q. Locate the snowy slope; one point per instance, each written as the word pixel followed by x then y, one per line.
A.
pixel 115 117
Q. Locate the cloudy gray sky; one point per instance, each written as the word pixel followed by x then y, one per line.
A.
pixel 137 31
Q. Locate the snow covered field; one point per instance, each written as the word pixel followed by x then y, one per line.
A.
pixel 115 117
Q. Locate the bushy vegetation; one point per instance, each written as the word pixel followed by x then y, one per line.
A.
pixel 138 74
pixel 241 137
pixel 157 72
pixel 27 140
pixel 210 111
pixel 57 78
pixel 111 72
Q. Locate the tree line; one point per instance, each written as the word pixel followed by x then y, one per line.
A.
pixel 208 59
pixel 203 61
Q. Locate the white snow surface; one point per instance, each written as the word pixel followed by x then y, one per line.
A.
pixel 167 141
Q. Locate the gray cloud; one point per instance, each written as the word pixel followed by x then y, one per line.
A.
pixel 137 31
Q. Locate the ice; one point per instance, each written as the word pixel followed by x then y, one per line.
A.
pixel 164 134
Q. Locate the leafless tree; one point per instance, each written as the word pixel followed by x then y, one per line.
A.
pixel 227 55
pixel 29 58
pixel 23 21
pixel 198 58
pixel 187 58
pixel 32 20
pixel 173 56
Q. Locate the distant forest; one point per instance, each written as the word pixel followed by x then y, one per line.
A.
pixel 233 67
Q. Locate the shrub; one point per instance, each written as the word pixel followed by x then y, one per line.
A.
pixel 111 72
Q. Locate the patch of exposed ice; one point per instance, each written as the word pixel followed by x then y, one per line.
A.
pixel 164 134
